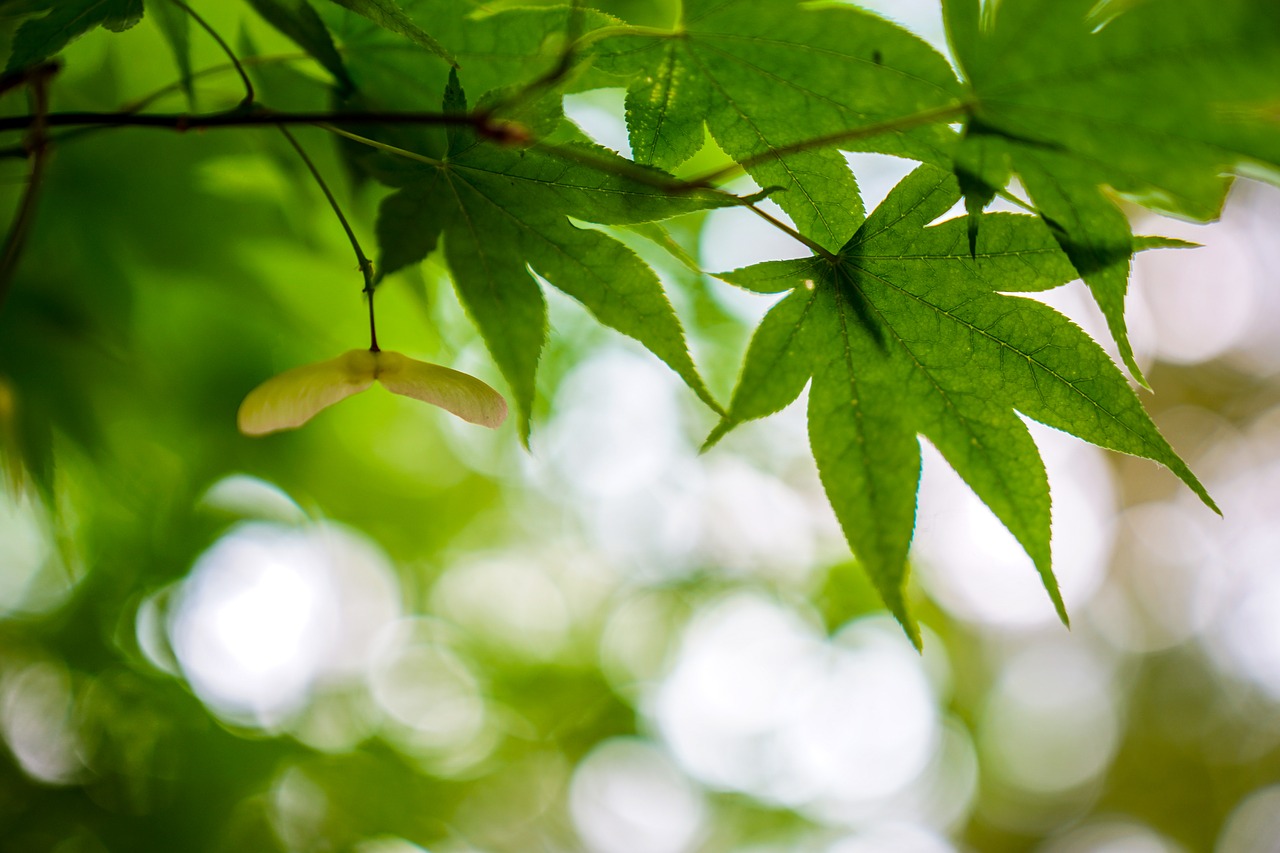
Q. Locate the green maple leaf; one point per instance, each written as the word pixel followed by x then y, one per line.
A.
pixel 389 16
pixel 64 21
pixel 764 75
pixel 299 21
pixel 175 26
pixel 503 213
pixel 1159 101
pixel 498 52
pixel 907 331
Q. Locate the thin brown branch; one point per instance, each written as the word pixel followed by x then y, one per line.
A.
pixel 38 145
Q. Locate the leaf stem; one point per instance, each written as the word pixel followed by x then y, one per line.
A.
pixel 226 48
pixel 814 246
pixel 243 63
pixel 381 146
pixel 366 266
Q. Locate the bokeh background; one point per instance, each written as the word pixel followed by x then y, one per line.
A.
pixel 391 631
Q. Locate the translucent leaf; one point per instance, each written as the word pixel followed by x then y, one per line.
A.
pixel 906 332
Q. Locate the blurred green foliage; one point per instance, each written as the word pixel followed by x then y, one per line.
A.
pixel 169 273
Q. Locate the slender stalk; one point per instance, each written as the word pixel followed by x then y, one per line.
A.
pixel 366 266
pixel 814 246
pixel 1013 199
pixel 38 145
pixel 381 146
pixel 213 70
pixel 226 48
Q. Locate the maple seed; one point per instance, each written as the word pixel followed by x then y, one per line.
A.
pixel 297 395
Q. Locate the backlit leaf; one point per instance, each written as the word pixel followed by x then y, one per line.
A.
pixel 767 74
pixel 502 213
pixel 1161 101
pixel 905 333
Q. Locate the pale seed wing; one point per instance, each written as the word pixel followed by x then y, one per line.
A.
pixel 451 390
pixel 295 396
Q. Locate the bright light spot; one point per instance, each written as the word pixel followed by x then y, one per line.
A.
pixel 385 844
pixel 299 809
pixel 754 522
pixel 618 431
pixel 1051 723
pixel 599 114
pixel 269 611
pixel 511 601
pixel 1248 639
pixel 1172 570
pixel 759 702
pixel 898 837
pixel 251 497
pixel 877 174
pixel 870 726
pixel 33 578
pixel 944 795
pixel 38 722
pixel 734 237
pixel 1113 836
pixel 24 548
pixel 152 632
pixel 432 697
pixel 922 17
pixel 1252 211
pixel 628 797
pixel 1202 300
pixel 975 568
pixel 1244 638
pixel 619 457
pixel 1254 825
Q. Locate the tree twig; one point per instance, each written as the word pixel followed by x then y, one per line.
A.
pixel 366 265
pixel 38 145
pixel 226 48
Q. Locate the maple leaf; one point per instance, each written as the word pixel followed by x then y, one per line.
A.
pixel 500 51
pixel 299 21
pixel 389 16
pixel 504 214
pixel 763 76
pixel 905 331
pixel 62 22
pixel 1159 101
